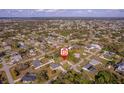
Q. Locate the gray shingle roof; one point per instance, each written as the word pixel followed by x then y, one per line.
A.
pixel 120 66
pixel 54 65
pixel 29 77
pixel 89 67
pixel 36 63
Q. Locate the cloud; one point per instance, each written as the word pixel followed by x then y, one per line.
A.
pixel 47 10
pixel 61 12
pixel 89 11
pixel 20 10
pixel 52 10
pixel 40 10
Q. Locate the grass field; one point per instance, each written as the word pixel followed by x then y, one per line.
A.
pixel 3 77
pixel 13 74
pixel 1 65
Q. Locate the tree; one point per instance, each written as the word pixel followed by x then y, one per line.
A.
pixel 71 77
pixel 17 72
pixel 23 52
pixel 111 63
pixel 105 77
pixel 44 75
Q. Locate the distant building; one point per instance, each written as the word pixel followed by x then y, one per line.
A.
pixel 36 64
pixel 108 54
pixel 94 62
pixel 54 66
pixel 94 46
pixel 32 52
pixel 7 48
pixel 77 55
pixel 89 68
pixel 21 45
pixel 120 67
pixel 16 58
pixel 28 77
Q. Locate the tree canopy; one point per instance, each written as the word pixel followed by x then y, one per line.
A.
pixel 105 77
pixel 71 77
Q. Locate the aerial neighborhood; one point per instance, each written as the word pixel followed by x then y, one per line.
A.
pixel 30 51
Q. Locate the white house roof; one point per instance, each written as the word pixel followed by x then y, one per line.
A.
pixel 94 46
pixel 36 63
pixel 94 62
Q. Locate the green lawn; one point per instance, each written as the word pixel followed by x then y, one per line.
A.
pixel 1 65
pixel 65 33
pixel 3 77
pixel 71 56
pixel 13 74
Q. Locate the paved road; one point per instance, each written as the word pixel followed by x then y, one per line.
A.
pixel 62 69
pixel 6 69
pixel 74 66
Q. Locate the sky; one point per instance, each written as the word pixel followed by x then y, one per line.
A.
pixel 61 13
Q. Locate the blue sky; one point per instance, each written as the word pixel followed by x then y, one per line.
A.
pixel 61 13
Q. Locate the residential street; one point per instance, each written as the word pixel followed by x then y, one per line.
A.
pixel 6 69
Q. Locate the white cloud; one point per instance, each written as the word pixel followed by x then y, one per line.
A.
pixel 79 11
pixel 40 10
pixel 20 10
pixel 52 10
pixel 47 10
pixel 89 11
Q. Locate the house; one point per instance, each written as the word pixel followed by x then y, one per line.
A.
pixel 7 47
pixel 36 64
pixel 75 47
pixel 89 68
pixel 120 67
pixel 93 46
pixel 15 58
pixel 108 54
pixel 21 45
pixel 32 52
pixel 77 55
pixel 94 62
pixel 54 66
pixel 4 43
pixel 28 78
